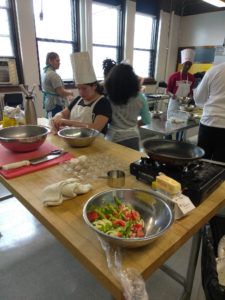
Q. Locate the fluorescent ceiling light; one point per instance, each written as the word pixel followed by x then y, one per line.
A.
pixel 218 3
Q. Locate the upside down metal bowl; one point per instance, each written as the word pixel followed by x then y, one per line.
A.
pixel 23 138
pixel 157 215
pixel 78 137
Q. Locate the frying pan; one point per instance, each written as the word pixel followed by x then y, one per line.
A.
pixel 172 152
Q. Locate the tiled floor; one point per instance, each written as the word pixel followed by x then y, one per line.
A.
pixel 35 266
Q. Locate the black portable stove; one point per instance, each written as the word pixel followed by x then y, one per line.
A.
pixel 197 180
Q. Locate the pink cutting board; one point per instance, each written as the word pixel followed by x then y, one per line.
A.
pixel 7 157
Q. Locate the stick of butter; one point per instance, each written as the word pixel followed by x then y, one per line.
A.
pixel 168 184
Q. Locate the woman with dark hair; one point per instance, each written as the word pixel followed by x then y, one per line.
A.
pixel 54 93
pixel 122 86
pixel 90 109
pixel 107 65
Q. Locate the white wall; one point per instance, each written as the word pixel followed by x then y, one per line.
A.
pixel 28 49
pixel 203 30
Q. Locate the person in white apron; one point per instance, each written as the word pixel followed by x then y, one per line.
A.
pixel 91 109
pixel 122 87
pixel 180 84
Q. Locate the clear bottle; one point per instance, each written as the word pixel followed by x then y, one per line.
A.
pixel 30 111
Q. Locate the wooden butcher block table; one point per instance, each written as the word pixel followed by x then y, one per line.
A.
pixel 66 223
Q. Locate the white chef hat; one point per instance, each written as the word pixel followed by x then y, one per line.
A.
pixel 83 70
pixel 187 55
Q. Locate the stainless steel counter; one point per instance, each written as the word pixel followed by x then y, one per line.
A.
pixel 162 127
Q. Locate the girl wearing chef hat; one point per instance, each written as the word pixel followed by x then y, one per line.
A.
pixel 180 84
pixel 90 109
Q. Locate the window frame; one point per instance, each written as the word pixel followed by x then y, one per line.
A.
pixel 75 42
pixel 14 37
pixel 151 50
pixel 121 28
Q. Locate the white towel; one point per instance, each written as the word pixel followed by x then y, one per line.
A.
pixel 67 189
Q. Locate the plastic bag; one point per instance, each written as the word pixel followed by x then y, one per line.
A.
pixel 211 237
pixel 131 281
pixel 13 116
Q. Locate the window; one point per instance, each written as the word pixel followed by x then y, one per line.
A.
pixel 106 24
pixel 144 45
pixel 55 23
pixel 8 42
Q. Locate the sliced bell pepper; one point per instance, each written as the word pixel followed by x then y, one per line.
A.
pixel 118 222
pixel 92 216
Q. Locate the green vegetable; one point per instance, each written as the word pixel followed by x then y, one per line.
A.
pixel 100 213
pixel 118 202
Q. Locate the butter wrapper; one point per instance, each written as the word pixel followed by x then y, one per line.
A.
pixel 180 203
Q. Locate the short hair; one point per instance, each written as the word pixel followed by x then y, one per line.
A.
pixel 51 56
pixel 107 65
pixel 121 84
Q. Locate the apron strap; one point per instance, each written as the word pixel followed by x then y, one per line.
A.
pixel 44 97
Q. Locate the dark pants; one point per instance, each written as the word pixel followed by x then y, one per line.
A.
pixel 130 143
pixel 54 111
pixel 212 140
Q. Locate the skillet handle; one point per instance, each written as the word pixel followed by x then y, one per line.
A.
pixel 215 162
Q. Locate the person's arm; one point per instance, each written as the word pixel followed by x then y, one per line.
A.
pixel 62 92
pixel 60 118
pixel 170 87
pixel 98 124
pixel 145 115
pixel 201 93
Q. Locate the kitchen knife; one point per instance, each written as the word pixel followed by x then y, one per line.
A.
pixel 33 161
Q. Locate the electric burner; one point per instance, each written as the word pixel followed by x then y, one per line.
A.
pixel 197 179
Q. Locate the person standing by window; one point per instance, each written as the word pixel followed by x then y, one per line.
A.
pixel 54 93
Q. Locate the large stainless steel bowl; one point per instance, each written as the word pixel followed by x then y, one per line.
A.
pixel 157 214
pixel 23 138
pixel 78 137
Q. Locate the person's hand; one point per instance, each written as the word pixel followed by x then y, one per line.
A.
pixel 58 121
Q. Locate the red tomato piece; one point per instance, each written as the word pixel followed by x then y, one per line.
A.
pixel 92 216
pixel 140 232
pixel 134 214
pixel 118 222
pixel 120 234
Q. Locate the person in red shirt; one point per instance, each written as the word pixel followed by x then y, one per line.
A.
pixel 180 84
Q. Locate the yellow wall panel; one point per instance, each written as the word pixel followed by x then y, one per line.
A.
pixel 195 68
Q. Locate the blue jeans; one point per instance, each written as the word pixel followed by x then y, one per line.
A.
pixel 54 111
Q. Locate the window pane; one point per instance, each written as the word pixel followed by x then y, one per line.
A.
pixel 4 28
pixel 141 62
pixel 56 23
pixel 6 47
pixel 4 3
pixel 143 31
pixel 104 24
pixel 99 54
pixel 64 51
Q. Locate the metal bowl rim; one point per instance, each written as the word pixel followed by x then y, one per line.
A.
pixel 78 128
pixel 127 240
pixel 16 138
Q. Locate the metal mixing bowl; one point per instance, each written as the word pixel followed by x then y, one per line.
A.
pixel 157 215
pixel 78 137
pixel 23 138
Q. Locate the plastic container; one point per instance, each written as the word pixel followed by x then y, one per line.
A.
pixel 212 234
pixel 177 116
